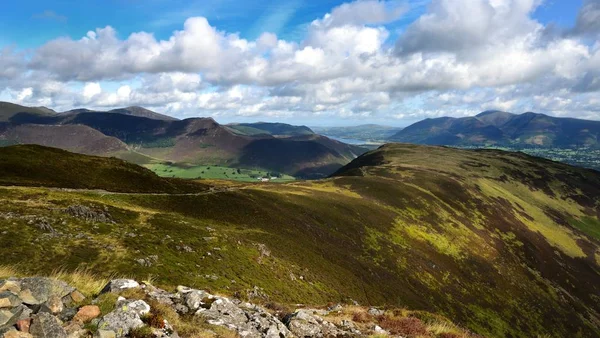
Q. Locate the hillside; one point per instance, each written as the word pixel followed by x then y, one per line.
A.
pixel 8 110
pixel 193 141
pixel 77 138
pixel 504 244
pixel 38 166
pixel 131 111
pixel 265 128
pixel 503 129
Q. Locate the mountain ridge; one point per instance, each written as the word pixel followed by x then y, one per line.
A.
pixel 503 129
pixel 292 150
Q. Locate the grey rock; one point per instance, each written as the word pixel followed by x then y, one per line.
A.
pixel 9 300
pixel 164 297
pixel 181 309
pixel 303 324
pixel 138 306
pixel 118 285
pixel 246 319
pixel 37 290
pixel 53 305
pixel 120 321
pixel 44 225
pixel 5 316
pixel 375 312
pixel 11 284
pixel 89 214
pixel 307 323
pixel 9 317
pixel 196 298
pixel 44 325
pixel 67 314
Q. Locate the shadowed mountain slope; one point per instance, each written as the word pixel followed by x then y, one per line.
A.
pixel 194 141
pixel 33 165
pixel 8 110
pixel 505 244
pixel 266 128
pixel 131 111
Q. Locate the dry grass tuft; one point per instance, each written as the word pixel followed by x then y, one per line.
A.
pixel 8 271
pixel 405 326
pixel 86 281
pixel 362 317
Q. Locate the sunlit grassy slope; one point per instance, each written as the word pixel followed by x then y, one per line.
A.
pixel 504 244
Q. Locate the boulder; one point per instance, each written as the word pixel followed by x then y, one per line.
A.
pixel 303 324
pixel 77 296
pixel 87 313
pixel 246 319
pixel 88 214
pixel 125 318
pixel 53 305
pixel 11 285
pixel 5 316
pixel 9 299
pixel 38 290
pixel 118 285
pixel 9 317
pixel 45 325
pixel 307 323
pixel 74 330
pixel 138 306
pixel 16 334
pixel 375 312
pixel 196 298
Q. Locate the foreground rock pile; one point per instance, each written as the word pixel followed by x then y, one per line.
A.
pixel 48 308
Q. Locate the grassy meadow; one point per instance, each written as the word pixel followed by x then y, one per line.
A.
pixel 214 172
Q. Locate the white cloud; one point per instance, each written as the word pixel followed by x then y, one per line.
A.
pixel 363 12
pixel 460 57
pixel 91 89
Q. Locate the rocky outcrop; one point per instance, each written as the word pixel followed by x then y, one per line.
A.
pixel 89 214
pixel 47 308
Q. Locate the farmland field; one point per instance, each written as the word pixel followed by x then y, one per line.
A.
pixel 214 172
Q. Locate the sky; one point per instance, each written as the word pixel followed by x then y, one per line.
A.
pixel 310 62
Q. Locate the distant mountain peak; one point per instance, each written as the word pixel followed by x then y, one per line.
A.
pixel 500 128
pixel 490 112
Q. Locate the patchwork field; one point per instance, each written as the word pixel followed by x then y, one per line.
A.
pixel 216 172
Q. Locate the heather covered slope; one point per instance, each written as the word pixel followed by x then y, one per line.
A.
pixel 38 166
pixel 505 244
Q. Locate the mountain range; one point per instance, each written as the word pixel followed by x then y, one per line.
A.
pixel 364 132
pixel 142 136
pixel 504 244
pixel 503 129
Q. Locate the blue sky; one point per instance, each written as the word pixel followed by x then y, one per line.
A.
pixel 392 33
pixel 41 20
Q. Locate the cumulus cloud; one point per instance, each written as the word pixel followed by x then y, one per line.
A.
pixel 588 19
pixel 459 57
pixel 363 12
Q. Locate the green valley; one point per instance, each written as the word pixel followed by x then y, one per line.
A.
pixel 216 172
